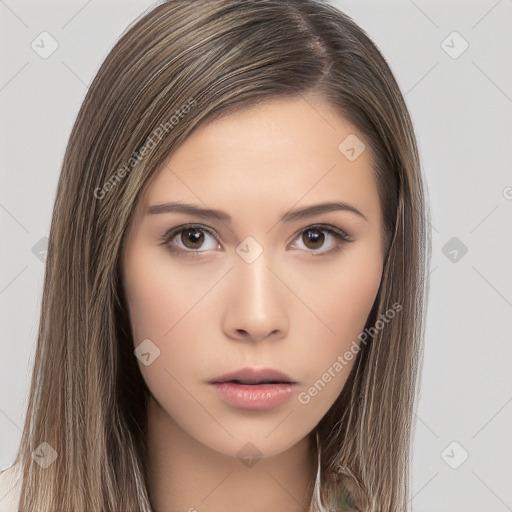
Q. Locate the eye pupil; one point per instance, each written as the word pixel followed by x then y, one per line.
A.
pixel 193 234
pixel 315 238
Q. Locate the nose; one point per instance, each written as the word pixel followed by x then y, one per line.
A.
pixel 256 306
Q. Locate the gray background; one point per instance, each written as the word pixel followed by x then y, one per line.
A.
pixel 462 111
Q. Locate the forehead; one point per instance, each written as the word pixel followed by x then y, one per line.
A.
pixel 269 157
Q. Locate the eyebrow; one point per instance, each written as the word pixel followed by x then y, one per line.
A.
pixel 289 216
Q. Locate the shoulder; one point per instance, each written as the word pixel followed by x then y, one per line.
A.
pixel 10 488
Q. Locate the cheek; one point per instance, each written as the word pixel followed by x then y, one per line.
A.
pixel 353 298
pixel 342 305
pixel 161 309
pixel 346 292
pixel 165 307
pixel 157 296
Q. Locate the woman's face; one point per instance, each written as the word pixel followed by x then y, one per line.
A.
pixel 256 284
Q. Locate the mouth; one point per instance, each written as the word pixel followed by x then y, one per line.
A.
pixel 254 389
pixel 251 376
pixel 257 382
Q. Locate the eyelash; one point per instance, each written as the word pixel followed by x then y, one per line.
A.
pixel 339 234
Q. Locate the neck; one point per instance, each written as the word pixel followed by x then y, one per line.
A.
pixel 187 476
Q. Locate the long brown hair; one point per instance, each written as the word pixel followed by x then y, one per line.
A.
pixel 181 64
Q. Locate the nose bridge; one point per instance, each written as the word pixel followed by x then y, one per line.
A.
pixel 256 298
pixel 256 282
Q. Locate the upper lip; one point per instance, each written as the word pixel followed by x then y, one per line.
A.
pixel 251 375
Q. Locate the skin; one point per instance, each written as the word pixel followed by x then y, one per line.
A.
pixel 296 307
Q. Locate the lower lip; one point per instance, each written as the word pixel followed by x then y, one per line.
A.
pixel 255 397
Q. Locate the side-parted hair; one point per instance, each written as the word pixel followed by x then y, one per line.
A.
pixel 183 63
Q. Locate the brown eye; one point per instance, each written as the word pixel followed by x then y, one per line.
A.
pixel 313 238
pixel 192 238
pixel 324 237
